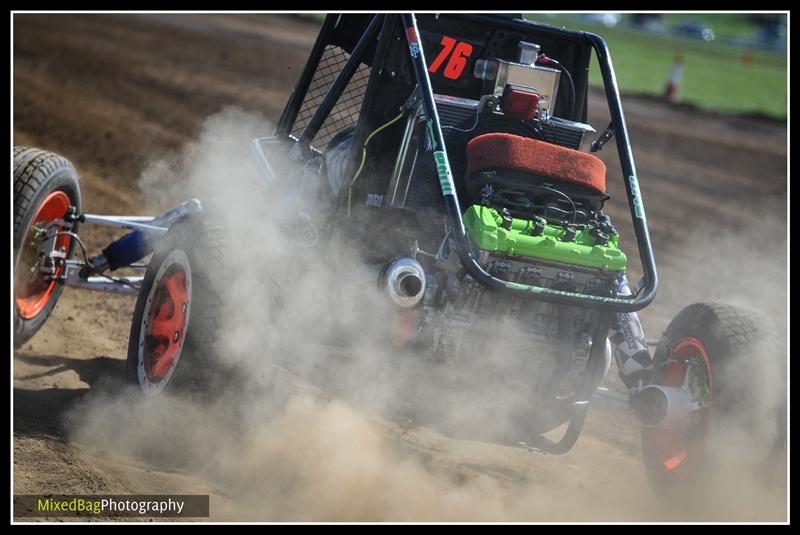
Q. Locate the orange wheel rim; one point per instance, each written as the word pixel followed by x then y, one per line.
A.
pixel 167 324
pixel 33 290
pixel 678 450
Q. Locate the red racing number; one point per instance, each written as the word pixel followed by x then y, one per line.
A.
pixel 459 53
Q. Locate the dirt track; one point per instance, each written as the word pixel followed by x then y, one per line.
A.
pixel 113 93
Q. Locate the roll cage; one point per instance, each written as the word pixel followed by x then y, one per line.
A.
pixel 363 67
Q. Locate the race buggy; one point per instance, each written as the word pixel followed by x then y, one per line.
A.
pixel 453 152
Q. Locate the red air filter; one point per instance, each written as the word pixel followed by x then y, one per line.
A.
pixel 507 151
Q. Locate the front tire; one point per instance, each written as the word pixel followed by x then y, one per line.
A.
pixel 176 327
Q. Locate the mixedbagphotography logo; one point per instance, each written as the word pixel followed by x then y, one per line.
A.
pixel 162 506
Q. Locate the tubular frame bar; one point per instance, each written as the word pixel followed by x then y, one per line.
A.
pixel 298 95
pixel 340 83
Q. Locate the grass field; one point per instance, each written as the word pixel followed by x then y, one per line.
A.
pixel 715 77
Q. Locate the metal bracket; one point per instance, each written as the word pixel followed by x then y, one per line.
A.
pixel 605 137
pixel 99 283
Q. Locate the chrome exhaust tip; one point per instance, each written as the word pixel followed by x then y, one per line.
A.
pixel 404 281
pixel 663 406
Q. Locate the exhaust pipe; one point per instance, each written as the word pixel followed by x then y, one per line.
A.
pixel 404 281
pixel 663 406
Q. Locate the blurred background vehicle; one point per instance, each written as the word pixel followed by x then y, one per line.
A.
pixel 609 20
pixel 648 22
pixel 694 30
pixel 772 36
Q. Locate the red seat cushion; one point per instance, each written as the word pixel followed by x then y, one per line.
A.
pixel 498 151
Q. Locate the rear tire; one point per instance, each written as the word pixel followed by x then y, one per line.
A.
pixel 739 355
pixel 45 184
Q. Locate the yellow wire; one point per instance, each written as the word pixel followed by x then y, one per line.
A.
pixel 364 156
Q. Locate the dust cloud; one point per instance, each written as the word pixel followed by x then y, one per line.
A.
pixel 304 431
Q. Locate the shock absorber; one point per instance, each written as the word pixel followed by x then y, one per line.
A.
pixel 120 253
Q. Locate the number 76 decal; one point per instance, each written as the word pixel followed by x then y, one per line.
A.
pixel 458 52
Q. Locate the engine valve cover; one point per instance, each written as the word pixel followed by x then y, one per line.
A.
pixel 516 237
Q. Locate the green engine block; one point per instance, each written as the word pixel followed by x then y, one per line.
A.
pixel 516 238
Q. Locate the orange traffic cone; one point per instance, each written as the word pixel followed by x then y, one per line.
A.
pixel 672 89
